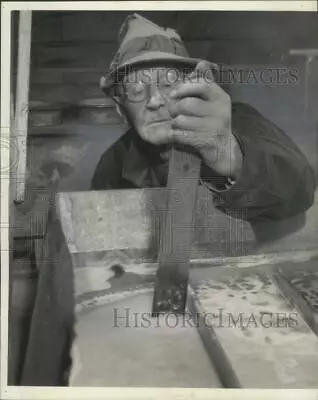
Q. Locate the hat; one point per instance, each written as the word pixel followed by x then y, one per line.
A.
pixel 141 41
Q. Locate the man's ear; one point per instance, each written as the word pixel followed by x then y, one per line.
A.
pixel 121 112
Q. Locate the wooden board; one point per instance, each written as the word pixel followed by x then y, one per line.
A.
pixel 22 100
pixel 77 26
pixel 99 54
pixel 266 341
pixel 52 323
pixel 91 54
pixel 105 220
pixel 300 286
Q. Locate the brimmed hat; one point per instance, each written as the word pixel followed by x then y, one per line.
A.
pixel 142 41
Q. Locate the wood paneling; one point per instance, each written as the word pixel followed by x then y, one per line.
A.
pixel 66 92
pixel 79 75
pixel 99 54
pixel 73 55
pixel 191 25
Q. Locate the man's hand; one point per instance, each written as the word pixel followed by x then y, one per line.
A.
pixel 201 113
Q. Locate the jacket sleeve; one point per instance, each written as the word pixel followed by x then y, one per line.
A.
pixel 276 181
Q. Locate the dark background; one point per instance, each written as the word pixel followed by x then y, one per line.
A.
pixel 71 121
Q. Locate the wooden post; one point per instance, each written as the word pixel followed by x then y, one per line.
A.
pixel 310 55
pixel 22 100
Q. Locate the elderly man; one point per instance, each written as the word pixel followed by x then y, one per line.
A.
pixel 167 98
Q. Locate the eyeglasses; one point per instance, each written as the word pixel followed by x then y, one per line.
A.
pixel 137 90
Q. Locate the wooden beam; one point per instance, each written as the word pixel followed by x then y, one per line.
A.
pixel 22 99
pixel 267 342
pixel 310 55
pixel 300 285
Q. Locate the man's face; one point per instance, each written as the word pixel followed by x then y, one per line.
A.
pixel 146 100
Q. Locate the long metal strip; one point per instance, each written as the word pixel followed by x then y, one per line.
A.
pixel 176 233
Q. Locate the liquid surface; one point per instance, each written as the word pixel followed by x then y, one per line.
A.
pixel 118 344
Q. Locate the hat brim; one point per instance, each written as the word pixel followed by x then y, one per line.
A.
pixel 151 56
pixel 148 57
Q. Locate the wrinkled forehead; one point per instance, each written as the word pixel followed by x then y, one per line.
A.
pixel 156 73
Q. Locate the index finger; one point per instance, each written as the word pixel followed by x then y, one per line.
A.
pixel 205 69
pixel 199 89
pixel 197 83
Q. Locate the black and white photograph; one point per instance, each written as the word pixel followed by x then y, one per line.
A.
pixel 159 201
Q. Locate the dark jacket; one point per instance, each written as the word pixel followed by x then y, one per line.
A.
pixel 276 181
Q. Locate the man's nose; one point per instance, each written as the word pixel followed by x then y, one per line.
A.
pixel 156 99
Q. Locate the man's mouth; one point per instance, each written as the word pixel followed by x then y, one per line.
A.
pixel 158 121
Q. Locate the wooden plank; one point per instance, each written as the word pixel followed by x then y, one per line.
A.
pixel 100 54
pixel 303 305
pixel 214 349
pixel 58 121
pixel 47 26
pixel 176 233
pixel 267 342
pixel 104 220
pixel 311 81
pixel 22 98
pixel 92 213
pixel 30 217
pixel 68 130
pixel 22 296
pixel 83 55
pixel 79 25
pixel 300 286
pixel 237 51
pixel 70 74
pixel 246 25
pixel 52 319
pixel 53 314
pixel 209 25
pixel 68 93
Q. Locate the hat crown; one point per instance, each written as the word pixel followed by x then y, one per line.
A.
pixel 140 41
pixel 139 35
pixel 136 26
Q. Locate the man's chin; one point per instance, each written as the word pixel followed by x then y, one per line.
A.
pixel 156 133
